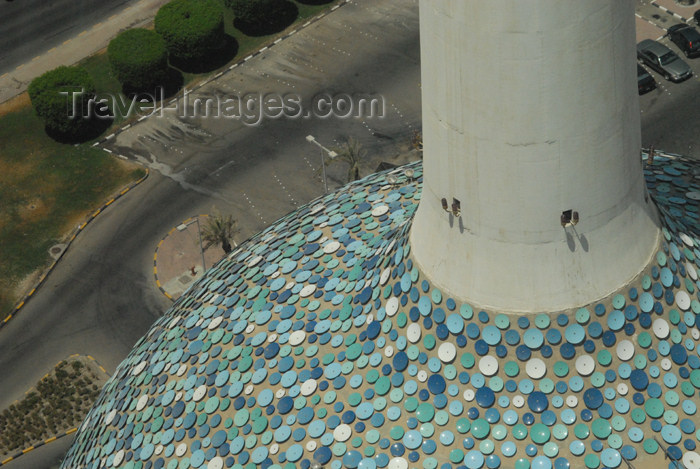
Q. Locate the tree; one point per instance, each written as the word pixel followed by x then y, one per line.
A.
pixel 262 16
pixel 352 153
pixel 251 11
pixel 60 97
pixel 191 28
pixel 139 59
pixel 219 229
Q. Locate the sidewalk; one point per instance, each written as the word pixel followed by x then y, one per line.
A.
pixel 177 262
pixel 72 51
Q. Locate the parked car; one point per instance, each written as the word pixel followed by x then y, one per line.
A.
pixel 686 38
pixel 645 82
pixel 662 59
pixel 696 15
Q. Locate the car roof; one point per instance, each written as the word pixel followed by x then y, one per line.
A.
pixel 654 47
pixel 685 30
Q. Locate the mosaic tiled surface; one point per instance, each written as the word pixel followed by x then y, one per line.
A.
pixel 319 343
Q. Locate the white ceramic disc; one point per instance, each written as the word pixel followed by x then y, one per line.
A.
pixel 398 463
pixel 683 300
pixel 622 389
pixel 342 432
pixel 379 210
pixel 625 350
pixel 199 393
pixel 392 306
pixel 691 460
pixel 143 400
pixel 585 365
pixel 447 352
pixel 307 291
pixel 488 365
pixel 660 328
pixel 297 337
pixel 308 387
pixel 535 368
pixel 331 247
pixel 413 333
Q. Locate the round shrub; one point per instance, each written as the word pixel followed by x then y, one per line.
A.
pixel 262 16
pixel 251 11
pixel 138 58
pixel 191 28
pixel 63 113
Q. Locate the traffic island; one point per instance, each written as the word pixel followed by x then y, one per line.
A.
pixel 51 409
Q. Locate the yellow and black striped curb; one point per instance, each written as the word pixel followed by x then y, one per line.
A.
pixel 155 255
pixel 75 234
pixel 37 445
pixel 672 13
pixel 218 75
pixel 59 435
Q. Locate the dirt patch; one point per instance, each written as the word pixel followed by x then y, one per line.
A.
pixel 15 104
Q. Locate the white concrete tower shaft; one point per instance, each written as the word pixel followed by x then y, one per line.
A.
pixel 530 110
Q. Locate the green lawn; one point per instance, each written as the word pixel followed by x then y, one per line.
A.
pixel 45 189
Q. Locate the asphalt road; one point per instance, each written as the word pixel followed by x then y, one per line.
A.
pixel 29 28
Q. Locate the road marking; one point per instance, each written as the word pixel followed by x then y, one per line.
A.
pixel 52 49
pixel 96 25
pixel 84 32
pixel 66 41
pixel 3 75
pixel 25 451
pixel 37 57
pixel 19 66
pixel 49 440
pixel 72 430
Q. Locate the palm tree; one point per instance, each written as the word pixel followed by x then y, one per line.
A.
pixel 352 153
pixel 219 229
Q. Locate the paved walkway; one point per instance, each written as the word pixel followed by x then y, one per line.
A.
pixel 72 51
pixel 177 262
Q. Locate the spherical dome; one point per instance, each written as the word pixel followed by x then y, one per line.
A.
pixel 320 343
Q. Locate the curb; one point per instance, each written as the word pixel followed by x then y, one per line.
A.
pixel 155 255
pixel 38 445
pixel 75 234
pixel 676 15
pixel 59 435
pixel 155 267
pixel 653 24
pixel 218 75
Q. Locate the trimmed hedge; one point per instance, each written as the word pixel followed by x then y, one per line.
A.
pixel 266 15
pixel 56 108
pixel 191 28
pixel 252 11
pixel 139 59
